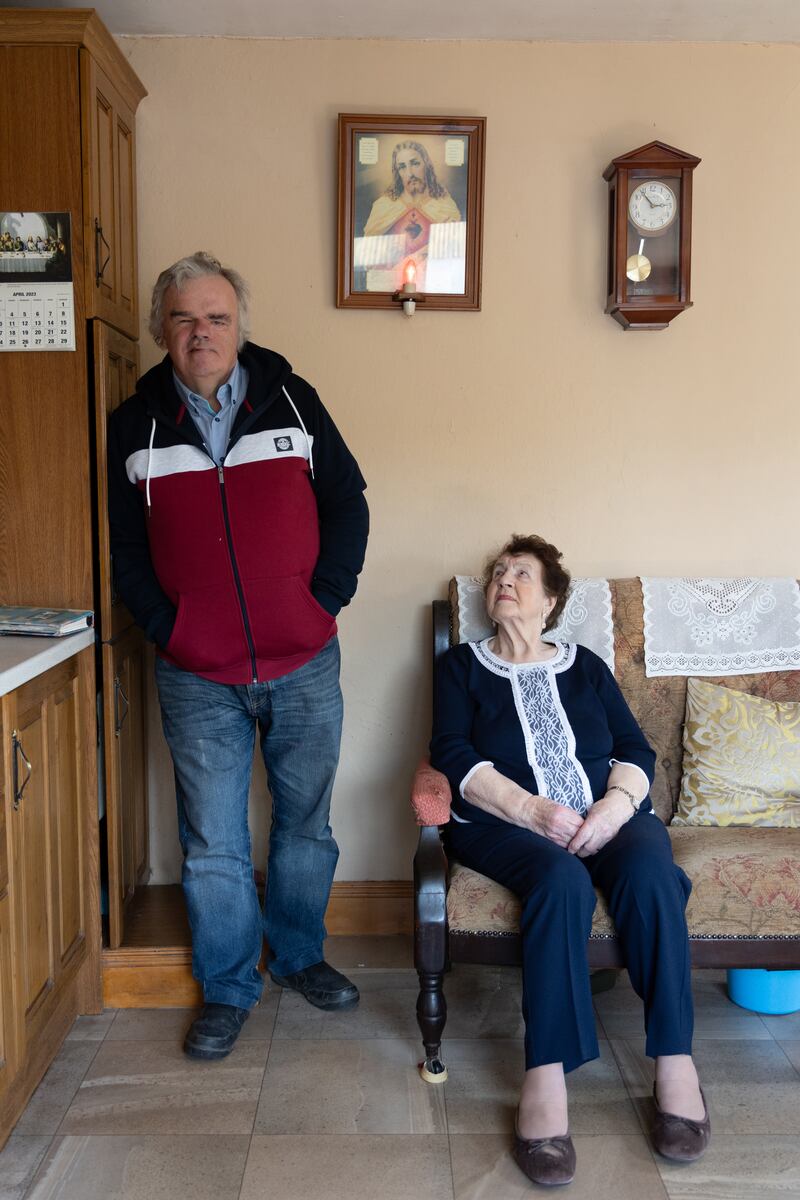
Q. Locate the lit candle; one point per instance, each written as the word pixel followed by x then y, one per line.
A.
pixel 409 287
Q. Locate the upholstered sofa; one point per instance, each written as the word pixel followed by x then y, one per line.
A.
pixel 744 910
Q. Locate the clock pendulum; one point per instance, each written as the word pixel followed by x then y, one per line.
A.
pixel 638 266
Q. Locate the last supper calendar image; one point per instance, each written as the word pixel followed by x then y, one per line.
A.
pixel 37 310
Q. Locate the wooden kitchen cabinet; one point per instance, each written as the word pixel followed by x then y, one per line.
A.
pixel 124 691
pixel 116 368
pixel 69 92
pixel 67 89
pixel 7 1008
pixel 109 209
pixel 67 145
pixel 7 1005
pixel 49 914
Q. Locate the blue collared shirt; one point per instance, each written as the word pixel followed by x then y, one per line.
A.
pixel 215 428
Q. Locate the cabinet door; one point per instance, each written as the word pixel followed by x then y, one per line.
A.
pixel 3 846
pixel 109 154
pixel 7 1050
pixel 30 817
pixel 116 368
pixel 47 789
pixel 7 1007
pixel 45 502
pixel 65 776
pixel 124 665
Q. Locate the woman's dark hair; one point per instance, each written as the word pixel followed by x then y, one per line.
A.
pixel 555 578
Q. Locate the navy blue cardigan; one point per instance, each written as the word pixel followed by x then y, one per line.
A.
pixel 554 727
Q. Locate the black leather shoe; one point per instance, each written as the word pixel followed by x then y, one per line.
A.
pixel 321 985
pixel 213 1033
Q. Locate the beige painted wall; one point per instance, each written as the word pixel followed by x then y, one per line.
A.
pixel 537 413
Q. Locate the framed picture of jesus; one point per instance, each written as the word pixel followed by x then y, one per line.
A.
pixel 410 210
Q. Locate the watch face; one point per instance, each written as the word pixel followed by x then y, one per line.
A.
pixel 653 207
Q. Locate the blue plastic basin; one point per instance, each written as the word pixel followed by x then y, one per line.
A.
pixel 774 992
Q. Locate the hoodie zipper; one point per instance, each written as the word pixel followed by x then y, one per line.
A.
pixel 236 575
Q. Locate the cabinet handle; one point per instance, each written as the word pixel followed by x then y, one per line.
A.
pixel 98 238
pixel 18 753
pixel 119 718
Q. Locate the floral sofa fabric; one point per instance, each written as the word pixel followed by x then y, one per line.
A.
pixel 746 891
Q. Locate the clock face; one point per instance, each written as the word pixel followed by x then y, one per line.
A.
pixel 653 207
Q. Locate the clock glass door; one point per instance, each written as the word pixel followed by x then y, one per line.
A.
pixel 652 266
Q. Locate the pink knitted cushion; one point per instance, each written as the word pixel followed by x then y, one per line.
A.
pixel 430 796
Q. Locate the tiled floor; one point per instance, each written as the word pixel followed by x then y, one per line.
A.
pixel 313 1105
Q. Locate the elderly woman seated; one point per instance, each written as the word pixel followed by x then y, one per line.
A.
pixel 550 776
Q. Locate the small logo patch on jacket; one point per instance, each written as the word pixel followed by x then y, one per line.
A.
pixel 283 443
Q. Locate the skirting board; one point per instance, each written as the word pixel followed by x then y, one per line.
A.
pixel 371 906
pixel 161 976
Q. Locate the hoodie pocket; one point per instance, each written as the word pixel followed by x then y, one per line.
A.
pixel 208 634
pixel 285 618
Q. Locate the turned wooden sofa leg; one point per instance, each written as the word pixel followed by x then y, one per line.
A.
pixel 431 1018
pixel 430 948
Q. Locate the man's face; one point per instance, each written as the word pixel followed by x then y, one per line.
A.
pixel 201 332
pixel 412 171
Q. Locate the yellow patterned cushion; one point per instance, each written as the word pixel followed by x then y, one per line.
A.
pixel 741 759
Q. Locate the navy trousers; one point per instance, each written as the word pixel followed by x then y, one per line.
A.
pixel 646 895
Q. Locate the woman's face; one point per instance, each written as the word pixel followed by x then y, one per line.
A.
pixel 516 592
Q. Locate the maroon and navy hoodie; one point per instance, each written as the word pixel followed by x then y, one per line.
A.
pixel 237 571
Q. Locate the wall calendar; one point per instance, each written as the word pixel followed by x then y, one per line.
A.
pixel 37 309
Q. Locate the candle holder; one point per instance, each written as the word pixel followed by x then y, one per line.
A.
pixel 409 297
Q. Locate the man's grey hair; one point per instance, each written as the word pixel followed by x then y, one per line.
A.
pixel 195 266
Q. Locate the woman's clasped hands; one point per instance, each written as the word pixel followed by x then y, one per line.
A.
pixel 576 834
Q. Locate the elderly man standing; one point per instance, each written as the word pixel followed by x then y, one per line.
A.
pixel 238 529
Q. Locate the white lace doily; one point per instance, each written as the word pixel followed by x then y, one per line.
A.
pixel 720 626
pixel 586 618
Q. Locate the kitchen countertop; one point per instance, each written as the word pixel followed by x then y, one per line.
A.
pixel 23 658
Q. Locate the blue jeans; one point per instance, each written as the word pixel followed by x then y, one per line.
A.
pixel 210 729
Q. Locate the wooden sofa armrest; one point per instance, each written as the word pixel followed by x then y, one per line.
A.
pixel 430 799
pixel 430 796
pixel 430 903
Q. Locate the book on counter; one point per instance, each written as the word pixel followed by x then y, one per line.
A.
pixel 44 622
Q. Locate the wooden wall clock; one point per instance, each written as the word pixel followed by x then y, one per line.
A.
pixel 649 235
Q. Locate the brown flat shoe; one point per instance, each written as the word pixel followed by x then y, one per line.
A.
pixel 547 1161
pixel 680 1138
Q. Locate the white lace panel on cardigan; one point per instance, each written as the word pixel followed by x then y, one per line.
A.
pixel 549 739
